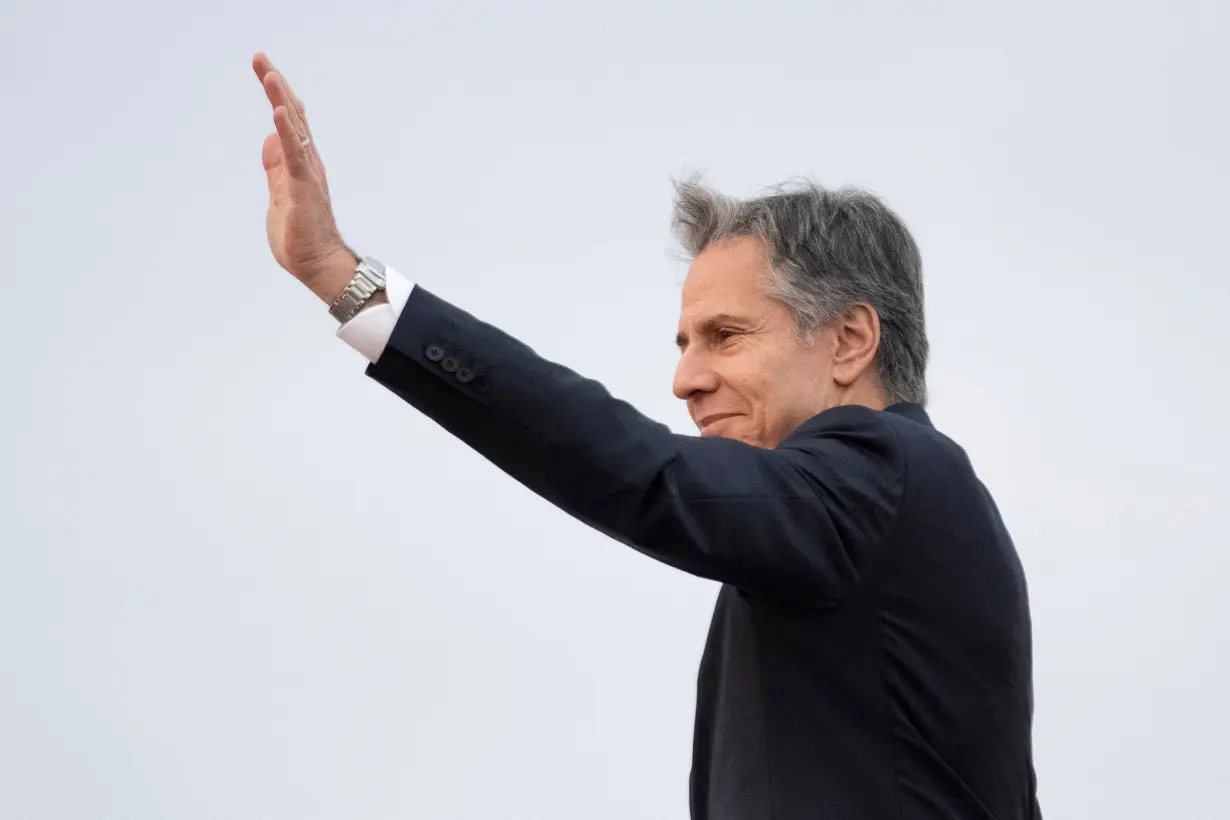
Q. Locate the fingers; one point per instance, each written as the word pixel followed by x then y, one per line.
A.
pixel 298 107
pixel 298 163
pixel 280 93
pixel 281 97
pixel 262 65
pixel 298 114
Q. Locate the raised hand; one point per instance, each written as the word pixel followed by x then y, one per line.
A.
pixel 303 233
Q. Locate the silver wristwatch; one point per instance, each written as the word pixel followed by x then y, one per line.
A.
pixel 368 278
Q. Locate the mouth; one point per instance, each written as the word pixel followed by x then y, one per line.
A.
pixel 708 421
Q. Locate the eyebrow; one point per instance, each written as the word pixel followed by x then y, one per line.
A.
pixel 709 326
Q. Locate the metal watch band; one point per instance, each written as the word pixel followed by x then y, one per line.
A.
pixel 368 278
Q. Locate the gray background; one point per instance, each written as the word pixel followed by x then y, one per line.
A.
pixel 211 608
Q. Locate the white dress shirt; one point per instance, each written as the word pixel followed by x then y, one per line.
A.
pixel 369 331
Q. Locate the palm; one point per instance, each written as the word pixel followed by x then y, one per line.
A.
pixel 291 237
pixel 302 231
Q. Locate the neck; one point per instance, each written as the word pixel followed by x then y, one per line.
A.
pixel 863 393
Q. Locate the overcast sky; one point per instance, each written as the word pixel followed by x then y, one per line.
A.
pixel 214 604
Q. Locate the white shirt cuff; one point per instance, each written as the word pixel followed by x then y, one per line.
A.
pixel 369 331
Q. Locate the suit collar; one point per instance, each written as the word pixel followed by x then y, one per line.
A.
pixel 909 410
pixel 913 412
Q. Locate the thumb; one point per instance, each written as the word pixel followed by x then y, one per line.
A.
pixel 271 153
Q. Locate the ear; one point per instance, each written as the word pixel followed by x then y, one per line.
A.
pixel 857 335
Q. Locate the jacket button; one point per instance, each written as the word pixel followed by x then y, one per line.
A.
pixel 434 353
pixel 450 365
pixel 481 385
pixel 465 375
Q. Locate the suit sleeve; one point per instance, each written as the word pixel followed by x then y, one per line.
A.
pixel 804 521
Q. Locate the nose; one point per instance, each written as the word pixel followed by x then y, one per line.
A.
pixel 693 376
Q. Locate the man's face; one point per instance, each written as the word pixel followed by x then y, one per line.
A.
pixel 742 370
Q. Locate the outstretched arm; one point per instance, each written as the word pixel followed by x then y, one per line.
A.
pixel 803 521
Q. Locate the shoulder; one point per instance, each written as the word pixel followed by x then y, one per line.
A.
pixel 901 426
pixel 851 451
pixel 850 426
pixel 885 443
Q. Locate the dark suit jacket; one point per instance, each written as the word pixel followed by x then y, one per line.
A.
pixel 869 655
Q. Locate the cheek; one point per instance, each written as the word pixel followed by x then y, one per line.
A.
pixel 772 382
pixel 743 377
pixel 791 385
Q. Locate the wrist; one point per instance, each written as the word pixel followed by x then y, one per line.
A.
pixel 349 284
pixel 335 274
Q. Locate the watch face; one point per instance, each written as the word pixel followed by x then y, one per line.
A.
pixel 373 271
pixel 375 268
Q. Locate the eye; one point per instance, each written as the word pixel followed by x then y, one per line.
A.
pixel 724 335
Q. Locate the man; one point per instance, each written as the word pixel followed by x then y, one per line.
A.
pixel 869 655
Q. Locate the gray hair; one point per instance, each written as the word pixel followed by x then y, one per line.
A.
pixel 828 250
